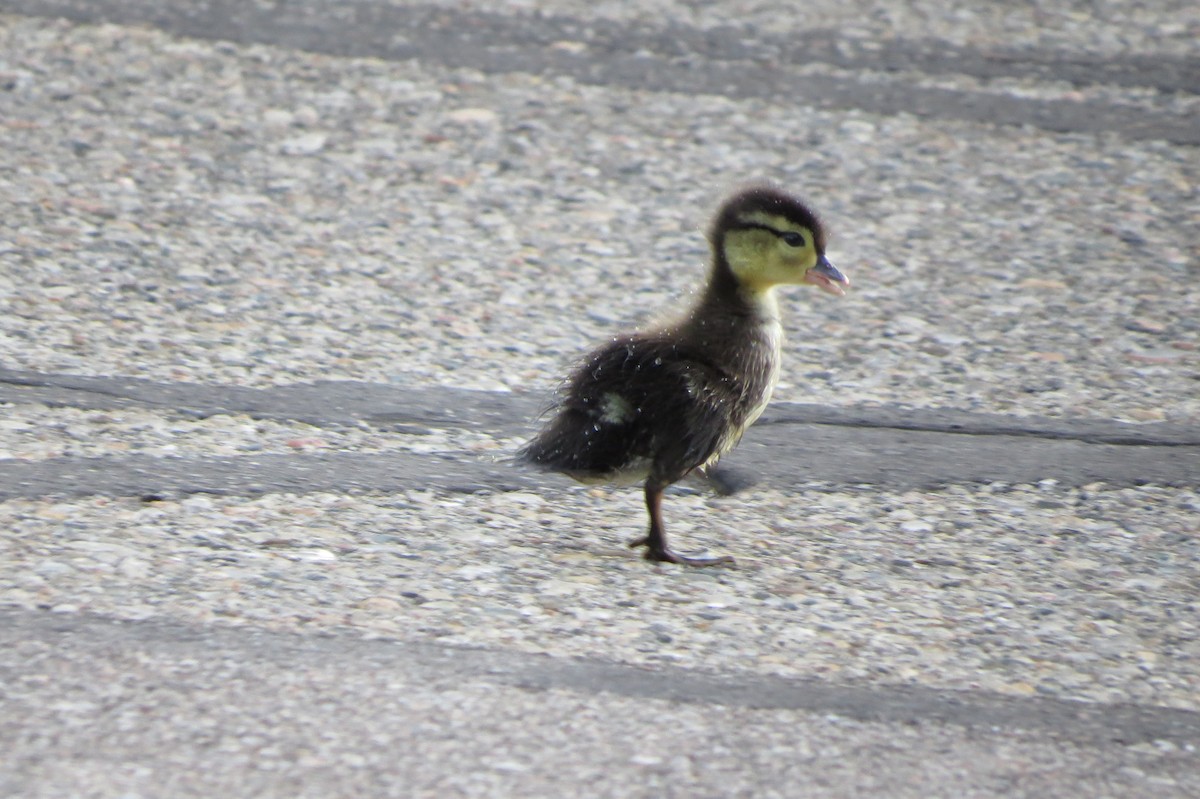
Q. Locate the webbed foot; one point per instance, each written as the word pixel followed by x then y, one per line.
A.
pixel 663 555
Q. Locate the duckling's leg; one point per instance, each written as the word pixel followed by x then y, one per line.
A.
pixel 655 540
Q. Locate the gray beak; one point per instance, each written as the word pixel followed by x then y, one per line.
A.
pixel 827 276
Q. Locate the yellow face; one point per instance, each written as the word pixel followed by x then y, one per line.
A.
pixel 770 250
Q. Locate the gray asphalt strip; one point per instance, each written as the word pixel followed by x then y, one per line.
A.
pixel 431 664
pixel 846 456
pixel 883 447
pixel 675 60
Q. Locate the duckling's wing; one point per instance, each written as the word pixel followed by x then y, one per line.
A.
pixel 636 407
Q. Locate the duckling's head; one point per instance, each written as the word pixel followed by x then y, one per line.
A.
pixel 765 237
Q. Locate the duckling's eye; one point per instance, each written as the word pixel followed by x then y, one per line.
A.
pixel 792 239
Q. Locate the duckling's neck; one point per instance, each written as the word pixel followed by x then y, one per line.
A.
pixel 738 327
pixel 725 296
pixel 739 332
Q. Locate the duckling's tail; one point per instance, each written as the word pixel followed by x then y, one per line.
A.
pixel 578 445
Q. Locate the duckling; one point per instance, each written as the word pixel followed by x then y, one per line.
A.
pixel 660 404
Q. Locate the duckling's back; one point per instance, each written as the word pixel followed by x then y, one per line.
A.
pixel 661 404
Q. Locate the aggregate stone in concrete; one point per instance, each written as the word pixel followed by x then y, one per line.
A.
pixel 441 199
pixel 152 708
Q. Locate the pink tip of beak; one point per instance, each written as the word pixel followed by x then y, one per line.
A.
pixel 827 276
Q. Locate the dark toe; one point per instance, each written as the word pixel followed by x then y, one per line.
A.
pixel 698 561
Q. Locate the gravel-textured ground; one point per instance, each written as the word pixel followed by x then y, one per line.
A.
pixel 1087 594
pixel 396 730
pixel 251 215
pixel 27 434
pixel 1108 27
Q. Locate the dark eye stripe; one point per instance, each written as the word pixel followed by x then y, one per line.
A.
pixel 790 237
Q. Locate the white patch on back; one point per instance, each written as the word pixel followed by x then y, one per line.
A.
pixel 615 409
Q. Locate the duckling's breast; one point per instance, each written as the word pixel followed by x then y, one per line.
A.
pixel 751 360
